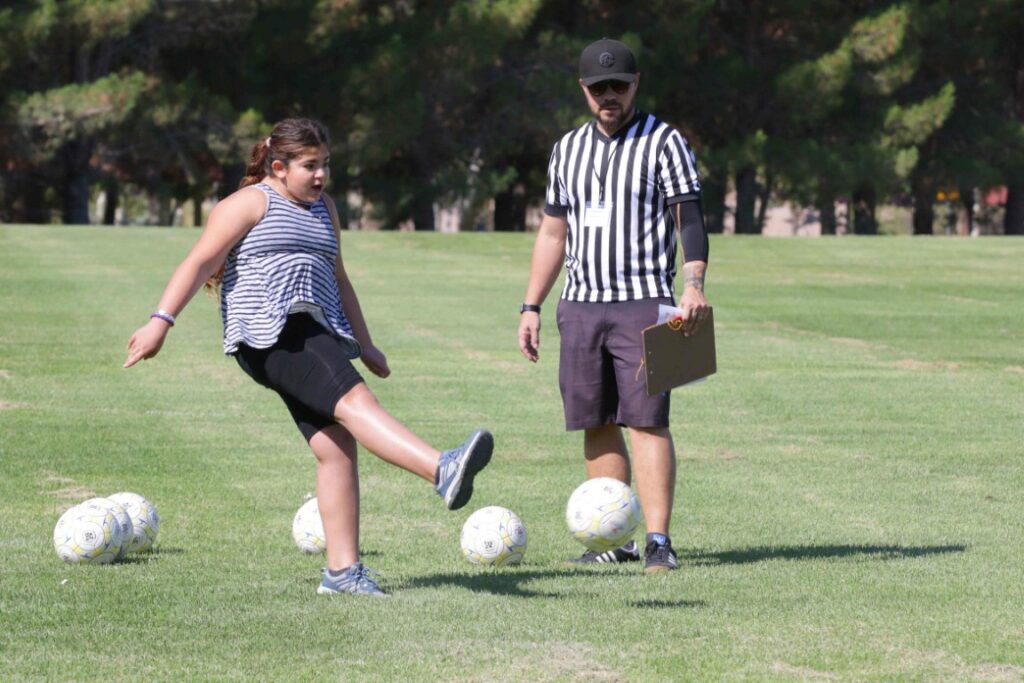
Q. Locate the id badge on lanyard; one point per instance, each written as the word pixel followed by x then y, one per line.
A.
pixel 597 215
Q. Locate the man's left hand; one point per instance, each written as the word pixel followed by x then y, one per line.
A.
pixel 695 310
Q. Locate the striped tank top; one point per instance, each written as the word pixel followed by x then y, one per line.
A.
pixel 285 264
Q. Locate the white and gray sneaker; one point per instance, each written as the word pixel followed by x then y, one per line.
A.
pixel 355 579
pixel 458 466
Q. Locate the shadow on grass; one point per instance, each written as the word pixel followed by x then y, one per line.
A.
pixel 150 555
pixel 819 552
pixel 497 582
pixel 666 604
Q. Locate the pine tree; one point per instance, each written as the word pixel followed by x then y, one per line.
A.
pixel 856 124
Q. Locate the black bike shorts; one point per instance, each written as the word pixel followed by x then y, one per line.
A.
pixel 308 369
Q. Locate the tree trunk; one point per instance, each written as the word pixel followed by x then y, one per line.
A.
pixel 763 196
pixel 159 200
pixel 422 175
pixel 1013 223
pixel 746 193
pixel 712 197
pixel 232 174
pixel 197 210
pixel 510 209
pixel 75 155
pixel 965 212
pixel 76 181
pixel 340 181
pixel 152 207
pixel 924 208
pixel 827 212
pixel 864 221
pixel 423 212
pixel 166 210
pixel 112 190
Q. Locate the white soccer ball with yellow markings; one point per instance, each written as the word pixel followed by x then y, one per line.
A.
pixel 87 534
pixel 308 528
pixel 124 522
pixel 603 513
pixel 493 536
pixel 144 518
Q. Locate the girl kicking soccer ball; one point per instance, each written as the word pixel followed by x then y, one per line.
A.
pixel 293 322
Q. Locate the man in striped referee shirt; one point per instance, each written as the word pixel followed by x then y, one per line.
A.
pixel 619 189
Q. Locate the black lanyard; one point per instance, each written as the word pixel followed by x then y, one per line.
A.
pixel 619 143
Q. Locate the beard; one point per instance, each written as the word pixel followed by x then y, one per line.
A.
pixel 613 119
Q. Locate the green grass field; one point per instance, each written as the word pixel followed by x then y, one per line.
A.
pixel 848 505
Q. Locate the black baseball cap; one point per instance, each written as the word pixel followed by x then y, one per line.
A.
pixel 607 60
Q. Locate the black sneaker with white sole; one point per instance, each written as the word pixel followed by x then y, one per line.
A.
pixel 660 557
pixel 627 553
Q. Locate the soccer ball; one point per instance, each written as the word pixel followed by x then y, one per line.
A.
pixel 87 534
pixel 124 522
pixel 145 521
pixel 602 513
pixel 493 536
pixel 308 528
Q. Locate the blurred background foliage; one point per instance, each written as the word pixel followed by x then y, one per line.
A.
pixel 155 104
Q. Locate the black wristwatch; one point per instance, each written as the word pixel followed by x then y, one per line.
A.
pixel 533 308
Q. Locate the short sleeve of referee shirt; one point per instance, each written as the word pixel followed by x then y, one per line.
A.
pixel 678 178
pixel 556 199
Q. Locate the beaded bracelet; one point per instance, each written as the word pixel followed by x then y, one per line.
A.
pixel 163 315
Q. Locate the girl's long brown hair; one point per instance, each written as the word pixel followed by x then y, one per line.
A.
pixel 289 139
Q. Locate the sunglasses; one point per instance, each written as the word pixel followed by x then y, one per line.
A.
pixel 598 89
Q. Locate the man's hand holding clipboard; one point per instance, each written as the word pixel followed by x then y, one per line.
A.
pixel 679 351
pixel 693 309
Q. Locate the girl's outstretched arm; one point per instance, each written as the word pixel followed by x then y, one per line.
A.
pixel 229 221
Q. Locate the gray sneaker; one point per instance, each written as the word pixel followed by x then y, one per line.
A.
pixel 626 553
pixel 458 466
pixel 356 579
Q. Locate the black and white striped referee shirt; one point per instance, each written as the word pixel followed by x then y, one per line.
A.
pixel 614 193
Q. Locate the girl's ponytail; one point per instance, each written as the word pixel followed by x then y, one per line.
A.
pixel 259 164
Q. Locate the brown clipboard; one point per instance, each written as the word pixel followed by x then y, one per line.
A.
pixel 671 359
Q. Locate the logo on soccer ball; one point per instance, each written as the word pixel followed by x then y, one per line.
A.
pixel 87 533
pixel 606 59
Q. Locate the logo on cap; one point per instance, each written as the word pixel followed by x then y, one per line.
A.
pixel 606 59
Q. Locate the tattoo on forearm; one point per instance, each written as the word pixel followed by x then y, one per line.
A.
pixel 693 275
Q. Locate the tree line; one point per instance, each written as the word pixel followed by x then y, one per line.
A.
pixel 460 102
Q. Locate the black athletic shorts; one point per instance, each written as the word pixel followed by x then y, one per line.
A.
pixel 307 367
